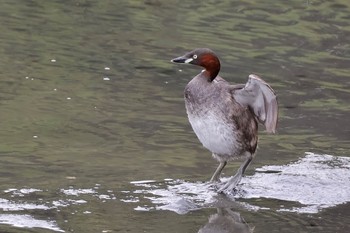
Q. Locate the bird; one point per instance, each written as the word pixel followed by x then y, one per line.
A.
pixel 225 117
pixel 226 220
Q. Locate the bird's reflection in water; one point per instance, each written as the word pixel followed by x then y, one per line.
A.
pixel 226 221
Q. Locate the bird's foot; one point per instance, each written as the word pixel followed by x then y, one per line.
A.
pixel 214 185
pixel 229 186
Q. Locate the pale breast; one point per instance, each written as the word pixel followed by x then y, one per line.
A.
pixel 215 135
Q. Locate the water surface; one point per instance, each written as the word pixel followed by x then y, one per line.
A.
pixel 90 104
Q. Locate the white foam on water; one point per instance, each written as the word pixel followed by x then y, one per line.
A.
pixel 27 221
pixel 143 208
pixel 178 196
pixel 7 205
pixel 315 182
pixel 22 192
pixel 77 192
pixel 21 219
pixel 143 181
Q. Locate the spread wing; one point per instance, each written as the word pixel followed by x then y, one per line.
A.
pixel 261 98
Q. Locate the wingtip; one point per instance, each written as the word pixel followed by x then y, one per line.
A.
pixel 272 116
pixel 254 76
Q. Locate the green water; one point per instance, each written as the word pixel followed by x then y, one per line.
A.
pixel 89 100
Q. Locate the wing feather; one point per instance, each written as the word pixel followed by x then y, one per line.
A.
pixel 261 98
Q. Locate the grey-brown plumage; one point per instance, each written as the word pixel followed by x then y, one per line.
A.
pixel 225 117
pixel 226 221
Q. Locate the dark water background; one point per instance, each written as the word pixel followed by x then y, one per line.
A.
pixel 90 102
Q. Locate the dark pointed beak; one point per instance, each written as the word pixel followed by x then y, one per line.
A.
pixel 181 59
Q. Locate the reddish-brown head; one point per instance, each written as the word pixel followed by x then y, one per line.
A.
pixel 202 57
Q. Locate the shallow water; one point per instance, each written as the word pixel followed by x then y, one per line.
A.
pixel 313 183
pixel 94 135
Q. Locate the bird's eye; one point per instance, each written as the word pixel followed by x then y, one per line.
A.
pixel 194 56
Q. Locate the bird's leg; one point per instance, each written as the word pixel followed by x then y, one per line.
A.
pixel 218 171
pixel 234 180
